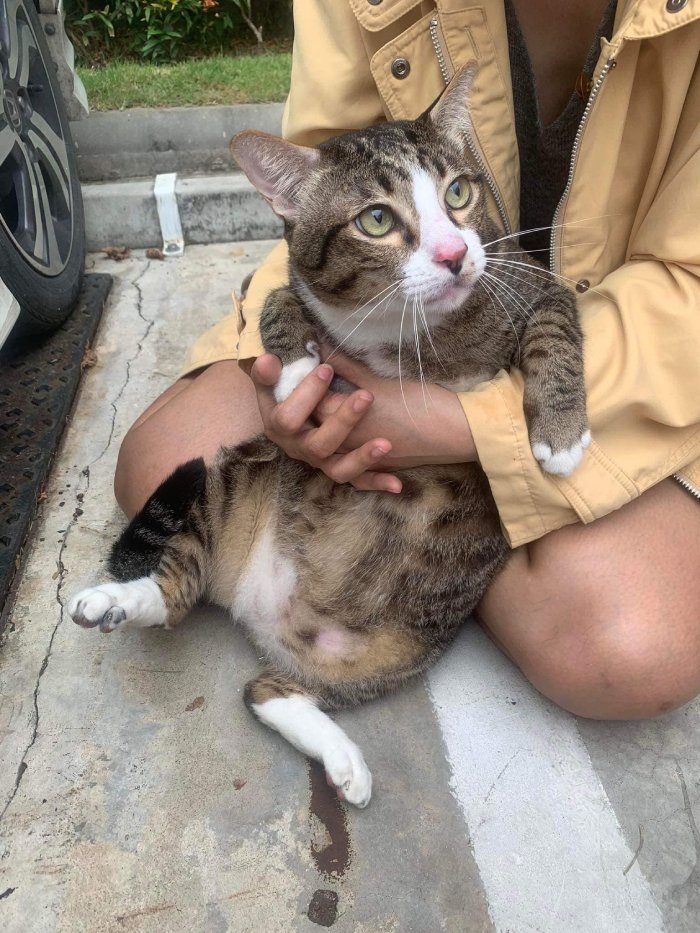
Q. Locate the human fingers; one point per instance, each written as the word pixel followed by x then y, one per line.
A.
pixel 266 370
pixel 290 416
pixel 358 467
pixel 335 428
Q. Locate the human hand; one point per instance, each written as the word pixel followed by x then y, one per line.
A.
pixel 288 425
pixel 424 424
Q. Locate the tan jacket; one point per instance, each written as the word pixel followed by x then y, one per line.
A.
pixel 629 240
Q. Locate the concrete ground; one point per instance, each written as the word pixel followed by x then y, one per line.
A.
pixel 137 794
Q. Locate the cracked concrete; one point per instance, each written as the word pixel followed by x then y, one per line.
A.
pixel 136 793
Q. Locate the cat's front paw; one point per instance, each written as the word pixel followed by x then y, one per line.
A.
pixel 293 373
pixel 556 455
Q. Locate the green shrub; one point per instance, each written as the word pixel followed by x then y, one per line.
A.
pixel 166 30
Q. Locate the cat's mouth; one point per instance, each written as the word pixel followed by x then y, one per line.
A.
pixel 447 295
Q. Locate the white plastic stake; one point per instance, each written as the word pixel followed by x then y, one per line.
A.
pixel 168 214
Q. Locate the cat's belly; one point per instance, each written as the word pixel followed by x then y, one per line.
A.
pixel 280 622
pixel 265 596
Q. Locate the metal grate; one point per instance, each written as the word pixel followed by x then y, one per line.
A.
pixel 39 377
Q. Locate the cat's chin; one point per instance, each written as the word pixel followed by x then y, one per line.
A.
pixel 447 297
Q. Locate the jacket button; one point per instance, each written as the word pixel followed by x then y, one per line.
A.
pixel 374 2
pixel 583 285
pixel 400 68
pixel 673 6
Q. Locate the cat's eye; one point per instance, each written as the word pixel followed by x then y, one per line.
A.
pixel 459 194
pixel 376 220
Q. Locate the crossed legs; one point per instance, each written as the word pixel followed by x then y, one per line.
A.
pixel 603 619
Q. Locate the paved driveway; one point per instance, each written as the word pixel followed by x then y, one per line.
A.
pixel 137 793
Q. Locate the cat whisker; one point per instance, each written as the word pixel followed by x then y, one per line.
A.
pixel 420 361
pixel 359 324
pixel 537 272
pixel 526 309
pixel 570 223
pixel 544 249
pixel 359 308
pixel 493 279
pixel 403 394
pixel 516 276
pixel 393 286
pixel 421 308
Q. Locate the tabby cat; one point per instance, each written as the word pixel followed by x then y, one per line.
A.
pixel 347 593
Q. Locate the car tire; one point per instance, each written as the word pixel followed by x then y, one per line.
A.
pixel 42 228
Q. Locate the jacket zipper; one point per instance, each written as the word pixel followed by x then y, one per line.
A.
pixel 471 140
pixel 434 35
pixel 574 158
pixel 686 484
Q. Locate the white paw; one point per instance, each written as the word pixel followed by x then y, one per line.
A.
pixel 561 462
pixel 347 771
pixel 116 605
pixel 293 373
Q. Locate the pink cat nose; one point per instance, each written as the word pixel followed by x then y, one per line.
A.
pixel 451 255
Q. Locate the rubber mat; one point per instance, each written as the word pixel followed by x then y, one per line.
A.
pixel 39 377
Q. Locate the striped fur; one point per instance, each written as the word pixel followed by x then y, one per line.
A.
pixel 347 594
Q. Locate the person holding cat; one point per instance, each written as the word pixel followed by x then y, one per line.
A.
pixel 586 120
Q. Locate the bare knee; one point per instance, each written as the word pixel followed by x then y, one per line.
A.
pixel 604 618
pixel 616 664
pixel 193 418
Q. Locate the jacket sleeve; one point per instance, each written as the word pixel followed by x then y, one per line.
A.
pixel 642 338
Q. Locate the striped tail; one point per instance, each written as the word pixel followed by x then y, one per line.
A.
pixel 138 551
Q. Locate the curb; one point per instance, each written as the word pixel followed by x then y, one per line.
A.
pixel 119 144
pixel 213 209
pixel 121 152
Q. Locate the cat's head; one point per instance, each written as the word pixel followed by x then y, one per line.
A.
pixel 398 206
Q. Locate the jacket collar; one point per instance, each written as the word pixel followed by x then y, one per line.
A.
pixel 635 19
pixel 646 19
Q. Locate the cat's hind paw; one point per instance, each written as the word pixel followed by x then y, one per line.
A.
pixel 561 462
pixel 293 373
pixel 116 605
pixel 347 771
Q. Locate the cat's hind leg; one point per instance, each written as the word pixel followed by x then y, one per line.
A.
pixel 157 564
pixel 287 707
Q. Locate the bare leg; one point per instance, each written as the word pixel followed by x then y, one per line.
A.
pixel 193 418
pixel 605 619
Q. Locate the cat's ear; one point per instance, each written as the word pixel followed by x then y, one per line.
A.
pixel 277 168
pixel 450 114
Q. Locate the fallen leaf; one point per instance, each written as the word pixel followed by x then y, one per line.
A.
pixel 154 253
pixel 195 704
pixel 239 783
pixel 117 253
pixel 89 359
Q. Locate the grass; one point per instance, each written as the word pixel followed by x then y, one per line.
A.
pixel 219 80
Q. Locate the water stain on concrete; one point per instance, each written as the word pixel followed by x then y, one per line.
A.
pixel 323 908
pixel 330 848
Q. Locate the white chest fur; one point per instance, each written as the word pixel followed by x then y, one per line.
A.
pixel 265 595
